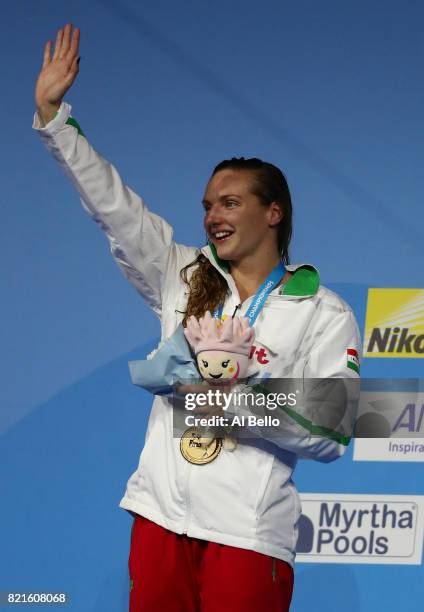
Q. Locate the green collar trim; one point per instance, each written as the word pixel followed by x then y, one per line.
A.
pixel 221 262
pixel 305 281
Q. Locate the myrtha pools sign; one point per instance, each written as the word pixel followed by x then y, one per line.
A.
pixel 344 528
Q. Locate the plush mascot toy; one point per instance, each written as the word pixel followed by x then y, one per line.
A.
pixel 222 351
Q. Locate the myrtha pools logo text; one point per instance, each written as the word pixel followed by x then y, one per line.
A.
pixel 361 529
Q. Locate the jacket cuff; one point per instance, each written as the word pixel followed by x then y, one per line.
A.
pixel 56 124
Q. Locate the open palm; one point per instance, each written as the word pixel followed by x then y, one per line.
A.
pixel 59 71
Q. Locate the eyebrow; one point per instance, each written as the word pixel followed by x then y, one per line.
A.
pixel 223 197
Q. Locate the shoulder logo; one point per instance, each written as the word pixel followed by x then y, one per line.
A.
pixel 352 360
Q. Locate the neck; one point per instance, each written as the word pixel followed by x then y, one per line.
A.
pixel 250 273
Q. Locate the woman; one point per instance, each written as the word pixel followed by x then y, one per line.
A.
pixel 221 534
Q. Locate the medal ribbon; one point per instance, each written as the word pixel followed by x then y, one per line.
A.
pixel 261 295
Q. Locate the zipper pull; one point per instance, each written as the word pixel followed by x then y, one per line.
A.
pixel 235 310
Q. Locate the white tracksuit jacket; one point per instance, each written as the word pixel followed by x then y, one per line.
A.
pixel 245 498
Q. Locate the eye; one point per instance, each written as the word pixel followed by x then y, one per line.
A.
pixel 205 363
pixel 225 363
pixel 230 203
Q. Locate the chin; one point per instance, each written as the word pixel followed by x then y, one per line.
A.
pixel 224 256
pixel 225 253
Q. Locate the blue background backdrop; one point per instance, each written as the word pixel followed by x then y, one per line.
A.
pixel 331 92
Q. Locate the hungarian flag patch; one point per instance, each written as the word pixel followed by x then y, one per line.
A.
pixel 353 360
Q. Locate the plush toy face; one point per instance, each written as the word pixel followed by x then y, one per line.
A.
pixel 221 365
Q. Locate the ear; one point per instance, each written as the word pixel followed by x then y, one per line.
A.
pixel 275 213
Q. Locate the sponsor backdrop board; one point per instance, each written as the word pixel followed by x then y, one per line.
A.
pixel 361 529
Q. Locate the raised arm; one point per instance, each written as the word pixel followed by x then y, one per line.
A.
pixel 141 242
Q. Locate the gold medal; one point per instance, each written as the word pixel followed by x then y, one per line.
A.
pixel 199 449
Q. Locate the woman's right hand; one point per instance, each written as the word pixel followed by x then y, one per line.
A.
pixel 58 72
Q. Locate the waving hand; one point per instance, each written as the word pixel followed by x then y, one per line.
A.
pixel 58 72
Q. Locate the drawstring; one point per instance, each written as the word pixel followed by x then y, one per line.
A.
pixel 235 310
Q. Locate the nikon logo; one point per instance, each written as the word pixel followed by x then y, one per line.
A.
pixel 395 340
pixel 394 323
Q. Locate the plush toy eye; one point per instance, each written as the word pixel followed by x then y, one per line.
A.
pixel 205 363
pixel 225 363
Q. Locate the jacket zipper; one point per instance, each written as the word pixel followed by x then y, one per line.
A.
pixel 188 500
pixel 274 569
pixel 187 496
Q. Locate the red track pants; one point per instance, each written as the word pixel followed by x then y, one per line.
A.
pixel 170 572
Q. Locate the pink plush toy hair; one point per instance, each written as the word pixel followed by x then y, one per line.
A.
pixel 233 335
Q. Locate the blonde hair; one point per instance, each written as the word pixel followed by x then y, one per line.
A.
pixel 207 288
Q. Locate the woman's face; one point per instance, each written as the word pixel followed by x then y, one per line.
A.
pixel 235 220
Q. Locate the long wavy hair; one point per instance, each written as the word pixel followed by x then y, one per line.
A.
pixel 207 288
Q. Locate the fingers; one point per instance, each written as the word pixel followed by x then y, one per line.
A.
pixel 64 45
pixel 58 45
pixel 47 49
pixel 74 48
pixel 66 41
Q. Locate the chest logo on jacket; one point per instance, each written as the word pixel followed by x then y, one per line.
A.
pixel 260 354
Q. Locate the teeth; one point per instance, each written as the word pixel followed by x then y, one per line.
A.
pixel 222 234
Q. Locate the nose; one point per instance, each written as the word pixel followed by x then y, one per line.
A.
pixel 213 216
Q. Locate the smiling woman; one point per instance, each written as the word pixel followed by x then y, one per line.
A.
pixel 248 221
pixel 215 528
pixel 268 184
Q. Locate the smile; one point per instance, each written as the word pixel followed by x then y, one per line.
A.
pixel 222 235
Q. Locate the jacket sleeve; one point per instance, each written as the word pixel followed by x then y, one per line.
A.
pixel 320 422
pixel 141 242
